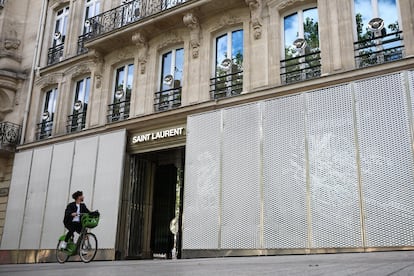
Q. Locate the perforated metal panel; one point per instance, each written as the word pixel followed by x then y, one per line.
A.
pixel 284 177
pixel 241 195
pixel 333 178
pixel 202 178
pixel 386 161
pixel 57 194
pixel 36 198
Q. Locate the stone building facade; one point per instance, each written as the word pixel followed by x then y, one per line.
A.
pixel 209 128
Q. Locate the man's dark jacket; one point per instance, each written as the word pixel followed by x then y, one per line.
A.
pixel 71 208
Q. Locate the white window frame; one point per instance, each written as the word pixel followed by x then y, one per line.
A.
pixel 172 67
pixel 301 31
pixel 95 5
pixel 62 16
pixel 50 109
pixel 124 84
pixel 229 46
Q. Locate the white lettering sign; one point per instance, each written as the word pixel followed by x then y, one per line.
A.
pixel 147 137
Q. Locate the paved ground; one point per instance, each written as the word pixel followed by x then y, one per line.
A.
pixel 378 264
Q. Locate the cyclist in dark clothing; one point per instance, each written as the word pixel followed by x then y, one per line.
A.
pixel 72 216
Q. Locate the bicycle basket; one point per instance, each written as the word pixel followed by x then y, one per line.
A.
pixel 90 220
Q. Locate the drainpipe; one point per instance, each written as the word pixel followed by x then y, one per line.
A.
pixel 35 66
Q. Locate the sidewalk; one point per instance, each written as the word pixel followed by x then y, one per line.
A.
pixel 378 264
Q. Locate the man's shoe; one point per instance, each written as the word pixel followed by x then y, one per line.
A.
pixel 63 245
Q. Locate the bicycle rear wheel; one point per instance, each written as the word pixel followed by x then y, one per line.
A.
pixel 88 247
pixel 61 254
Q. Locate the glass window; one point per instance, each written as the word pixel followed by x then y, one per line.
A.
pixel 61 24
pixel 229 53
pixel 124 77
pixel 302 24
pixel 172 69
pixel 92 8
pixel 47 115
pixel 80 105
pixel 365 10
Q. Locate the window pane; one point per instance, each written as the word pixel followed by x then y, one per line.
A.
pixel 388 12
pixel 178 69
pixel 363 14
pixel 221 53
pixel 237 49
pixel 310 28
pixel 130 79
pixel 120 80
pixel 291 32
pixel 166 70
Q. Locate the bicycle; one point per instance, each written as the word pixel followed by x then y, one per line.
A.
pixel 86 245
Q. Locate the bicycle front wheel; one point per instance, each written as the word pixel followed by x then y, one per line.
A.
pixel 61 254
pixel 88 247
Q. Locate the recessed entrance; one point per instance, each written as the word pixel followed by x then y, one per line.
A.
pixel 150 223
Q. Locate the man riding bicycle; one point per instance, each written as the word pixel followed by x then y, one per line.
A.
pixel 72 219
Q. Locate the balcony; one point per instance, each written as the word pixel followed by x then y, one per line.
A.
pixel 44 129
pixel 378 50
pixel 55 54
pixel 81 44
pixel 118 111
pixel 76 122
pixel 227 85
pixel 129 13
pixel 300 68
pixel 167 99
pixel 9 136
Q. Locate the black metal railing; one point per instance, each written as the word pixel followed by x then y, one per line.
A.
pixel 301 68
pixel 379 49
pixel 9 135
pixel 167 99
pixel 227 85
pixel 55 54
pixel 118 111
pixel 81 43
pixel 128 13
pixel 44 129
pixel 76 122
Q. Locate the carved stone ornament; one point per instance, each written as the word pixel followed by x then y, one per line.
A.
pixel 98 61
pixel 141 42
pixel 255 7
pixel 11 44
pixel 47 80
pixel 287 3
pixel 191 21
pixel 170 39
pixel 227 20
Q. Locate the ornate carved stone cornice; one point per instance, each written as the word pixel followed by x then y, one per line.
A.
pixel 191 21
pixel 141 42
pixel 255 7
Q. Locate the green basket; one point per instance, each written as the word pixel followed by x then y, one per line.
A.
pixel 90 220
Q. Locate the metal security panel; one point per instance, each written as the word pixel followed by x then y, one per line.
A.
pixel 57 194
pixel 17 199
pixel 386 161
pixel 109 172
pixel 241 192
pixel 202 182
pixel 333 177
pixel 284 176
pixel 83 169
pixel 36 198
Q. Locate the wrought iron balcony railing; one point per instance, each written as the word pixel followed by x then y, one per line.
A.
pixel 300 68
pixel 167 99
pixel 118 111
pixel 55 54
pixel 128 13
pixel 226 85
pixel 44 129
pixel 76 122
pixel 81 43
pixel 379 50
pixel 9 135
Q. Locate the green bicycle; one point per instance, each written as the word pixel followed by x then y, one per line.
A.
pixel 86 245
